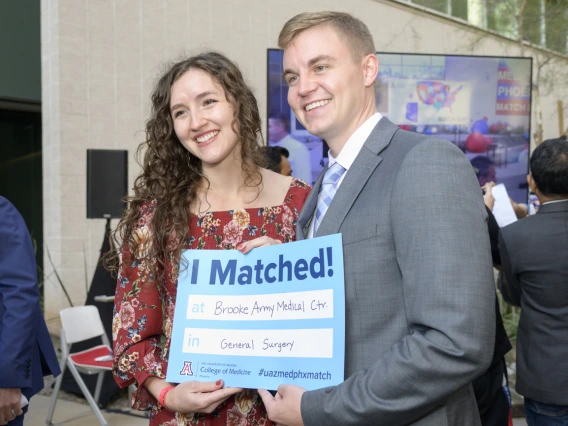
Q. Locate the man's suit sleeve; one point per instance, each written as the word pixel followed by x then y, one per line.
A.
pixel 509 285
pixel 19 295
pixel 443 253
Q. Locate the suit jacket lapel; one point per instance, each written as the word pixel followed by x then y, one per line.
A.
pixel 356 177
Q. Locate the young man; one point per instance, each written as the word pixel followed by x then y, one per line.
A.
pixel 418 278
pixel 534 254
pixel 26 352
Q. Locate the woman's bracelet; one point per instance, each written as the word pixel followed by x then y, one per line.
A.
pixel 162 397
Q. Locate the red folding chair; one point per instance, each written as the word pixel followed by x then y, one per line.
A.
pixel 79 324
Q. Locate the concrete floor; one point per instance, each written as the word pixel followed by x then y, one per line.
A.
pixel 69 413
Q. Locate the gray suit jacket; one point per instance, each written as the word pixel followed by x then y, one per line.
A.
pixel 420 313
pixel 534 254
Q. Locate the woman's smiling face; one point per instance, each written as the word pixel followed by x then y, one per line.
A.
pixel 203 117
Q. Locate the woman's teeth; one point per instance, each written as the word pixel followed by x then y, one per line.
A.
pixel 207 136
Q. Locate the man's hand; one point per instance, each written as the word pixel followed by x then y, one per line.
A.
pixel 9 404
pixel 284 408
pixel 488 196
pixel 521 210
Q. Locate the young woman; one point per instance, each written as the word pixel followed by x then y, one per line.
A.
pixel 201 187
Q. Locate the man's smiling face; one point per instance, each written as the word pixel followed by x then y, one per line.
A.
pixel 326 85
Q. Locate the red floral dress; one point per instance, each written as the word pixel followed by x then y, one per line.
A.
pixel 144 310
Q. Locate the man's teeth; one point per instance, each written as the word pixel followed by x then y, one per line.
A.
pixel 317 104
pixel 206 137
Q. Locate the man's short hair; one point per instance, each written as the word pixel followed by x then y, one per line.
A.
pixel 355 32
pixel 482 164
pixel 274 157
pixel 549 167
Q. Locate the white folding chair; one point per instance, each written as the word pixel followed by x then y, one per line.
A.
pixel 79 324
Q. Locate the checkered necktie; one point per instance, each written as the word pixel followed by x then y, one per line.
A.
pixel 327 191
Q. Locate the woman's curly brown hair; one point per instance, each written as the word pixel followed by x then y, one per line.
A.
pixel 170 176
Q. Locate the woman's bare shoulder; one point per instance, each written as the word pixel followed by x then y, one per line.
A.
pixel 275 186
pixel 276 179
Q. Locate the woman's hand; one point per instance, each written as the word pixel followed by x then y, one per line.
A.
pixel 191 397
pixel 198 397
pixel 258 242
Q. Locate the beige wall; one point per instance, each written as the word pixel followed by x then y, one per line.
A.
pixel 100 59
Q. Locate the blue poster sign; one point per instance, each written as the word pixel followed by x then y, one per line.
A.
pixel 275 315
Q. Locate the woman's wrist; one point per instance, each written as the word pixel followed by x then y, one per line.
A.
pixel 155 387
pixel 163 398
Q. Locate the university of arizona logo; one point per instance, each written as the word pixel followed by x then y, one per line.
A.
pixel 186 370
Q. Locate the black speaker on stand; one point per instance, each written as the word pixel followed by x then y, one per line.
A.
pixel 107 184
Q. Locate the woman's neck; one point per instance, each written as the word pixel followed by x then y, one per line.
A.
pixel 225 179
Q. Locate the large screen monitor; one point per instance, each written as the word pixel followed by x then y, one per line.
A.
pixel 481 104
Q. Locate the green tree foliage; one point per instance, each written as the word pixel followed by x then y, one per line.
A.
pixel 542 22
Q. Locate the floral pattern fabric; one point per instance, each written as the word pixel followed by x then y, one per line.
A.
pixel 144 308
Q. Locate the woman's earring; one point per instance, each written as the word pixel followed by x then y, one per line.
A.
pixel 188 159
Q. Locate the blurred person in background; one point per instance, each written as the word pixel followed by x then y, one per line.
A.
pixel 486 175
pixel 277 160
pixel 491 388
pixel 299 154
pixel 534 254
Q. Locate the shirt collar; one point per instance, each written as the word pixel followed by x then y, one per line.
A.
pixel 353 146
pixel 551 202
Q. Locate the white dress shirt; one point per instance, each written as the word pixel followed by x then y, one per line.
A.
pixel 350 151
pixel 299 158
